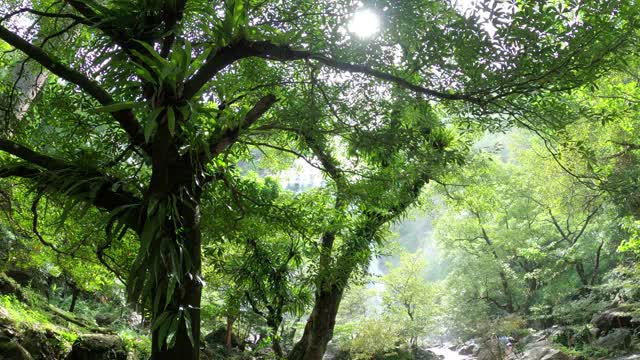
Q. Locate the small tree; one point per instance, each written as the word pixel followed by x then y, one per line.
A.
pixel 409 297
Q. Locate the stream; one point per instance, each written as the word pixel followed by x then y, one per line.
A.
pixel 449 354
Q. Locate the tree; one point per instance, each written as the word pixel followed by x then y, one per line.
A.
pixel 181 88
pixel 526 233
pixel 266 251
pixel 408 293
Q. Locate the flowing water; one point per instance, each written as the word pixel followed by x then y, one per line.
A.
pixel 449 354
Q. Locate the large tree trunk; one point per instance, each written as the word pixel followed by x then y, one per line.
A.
pixel 173 178
pixel 188 295
pixel 319 328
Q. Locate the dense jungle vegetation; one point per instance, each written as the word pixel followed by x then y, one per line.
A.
pixel 192 179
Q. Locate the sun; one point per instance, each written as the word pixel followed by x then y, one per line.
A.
pixel 364 23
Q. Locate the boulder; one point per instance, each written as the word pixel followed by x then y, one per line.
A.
pixel 264 353
pixel 11 350
pixel 105 319
pixel 538 346
pixel 423 354
pixel 468 349
pixel 98 347
pixel 333 352
pixel 42 344
pixel 628 357
pixel 217 338
pixel 20 276
pixel 618 339
pixel 612 319
pixel 9 286
pixel 545 354
pixel 36 280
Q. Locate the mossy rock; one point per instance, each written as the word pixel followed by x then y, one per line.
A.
pixel 42 345
pixel 10 350
pixel 98 347
pixel 106 319
pixel 9 286
pixel 218 336
pixel 612 319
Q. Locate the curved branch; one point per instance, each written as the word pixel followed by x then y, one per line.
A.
pixel 44 14
pixel 228 137
pixel 90 181
pixel 125 118
pixel 31 156
pixel 34 226
pixel 265 49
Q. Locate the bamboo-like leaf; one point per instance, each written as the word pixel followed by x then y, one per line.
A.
pixel 171 121
pixel 187 322
pixel 151 124
pixel 162 61
pixel 115 107
pixel 170 289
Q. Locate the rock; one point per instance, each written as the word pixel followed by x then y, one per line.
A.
pixel 265 353
pixel 628 357
pixel 98 347
pixel 105 319
pixel 9 347
pixel 617 339
pixel 538 346
pixel 612 319
pixel 20 276
pixel 489 350
pixel 217 337
pixel 333 352
pixel 42 345
pixel 9 286
pixel 562 335
pixel 582 335
pixel 423 354
pixel 10 350
pixel 545 354
pixel 468 349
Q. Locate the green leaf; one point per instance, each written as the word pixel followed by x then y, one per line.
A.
pixel 114 107
pixel 187 322
pixel 170 289
pixel 151 124
pixel 153 53
pixel 171 121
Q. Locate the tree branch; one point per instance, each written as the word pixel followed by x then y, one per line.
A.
pixel 229 136
pixel 34 226
pixel 90 181
pixel 265 49
pixel 31 156
pixel 44 14
pixel 125 118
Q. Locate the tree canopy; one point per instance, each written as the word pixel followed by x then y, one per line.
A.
pixel 154 129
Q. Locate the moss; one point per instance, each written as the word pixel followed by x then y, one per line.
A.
pixel 137 344
pixel 586 352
